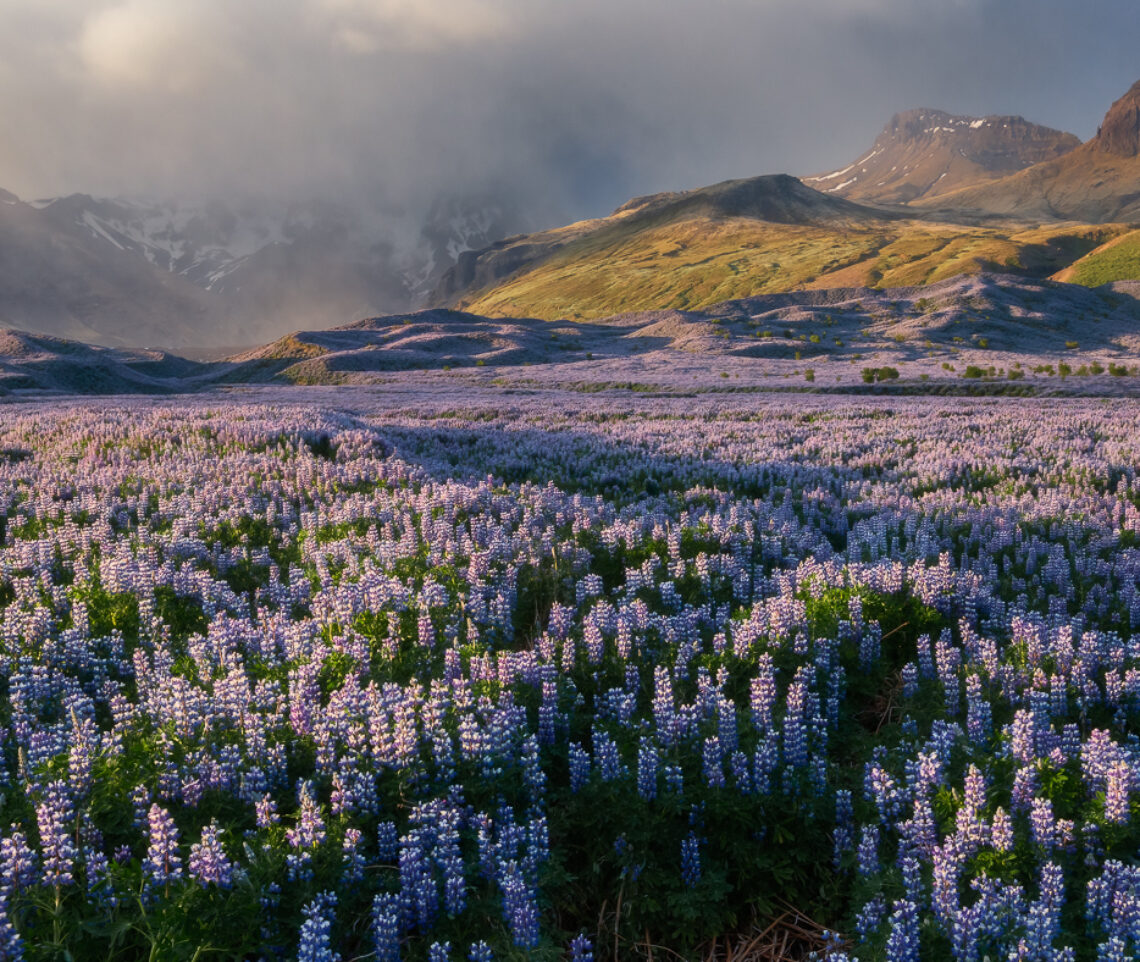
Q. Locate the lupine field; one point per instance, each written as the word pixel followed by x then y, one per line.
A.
pixel 443 676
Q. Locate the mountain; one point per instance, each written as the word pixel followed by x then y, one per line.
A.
pixel 922 154
pixel 1096 183
pixel 741 238
pixel 937 196
pixel 779 200
pixel 128 272
pixel 59 279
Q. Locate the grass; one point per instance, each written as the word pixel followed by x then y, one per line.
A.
pixel 1118 260
pixel 694 262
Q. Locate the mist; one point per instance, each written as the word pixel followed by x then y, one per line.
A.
pixel 564 109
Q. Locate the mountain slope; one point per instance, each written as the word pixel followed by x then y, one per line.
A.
pixel 1096 183
pixel 922 154
pixel 62 281
pixel 767 234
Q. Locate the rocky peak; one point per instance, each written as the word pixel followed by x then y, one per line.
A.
pixel 1120 132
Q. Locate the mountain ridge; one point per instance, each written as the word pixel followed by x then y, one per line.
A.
pixel 1097 182
pixel 926 153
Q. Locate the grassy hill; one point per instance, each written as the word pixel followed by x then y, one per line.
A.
pixel 692 262
pixel 1117 260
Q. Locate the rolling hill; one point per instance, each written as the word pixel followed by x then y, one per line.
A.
pixel 42 363
pixel 965 333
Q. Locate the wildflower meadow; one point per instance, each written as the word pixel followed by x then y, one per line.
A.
pixel 428 675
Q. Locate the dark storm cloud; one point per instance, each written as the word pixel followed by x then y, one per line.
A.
pixel 571 107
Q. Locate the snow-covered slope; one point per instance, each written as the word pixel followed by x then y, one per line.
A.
pixel 254 270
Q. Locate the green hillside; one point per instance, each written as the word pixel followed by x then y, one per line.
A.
pixel 693 262
pixel 1117 260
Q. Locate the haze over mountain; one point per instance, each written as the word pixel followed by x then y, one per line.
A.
pixel 922 154
pixel 129 272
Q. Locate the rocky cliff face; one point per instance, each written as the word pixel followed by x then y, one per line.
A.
pixel 1119 134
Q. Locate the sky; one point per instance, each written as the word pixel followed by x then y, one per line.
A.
pixel 565 107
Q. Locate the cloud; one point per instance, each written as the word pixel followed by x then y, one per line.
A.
pixel 375 26
pixel 568 107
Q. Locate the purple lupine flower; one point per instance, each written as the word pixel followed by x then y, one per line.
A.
pixel 1024 788
pixel 1042 824
pixel 910 680
pixel 867 855
pixel 763 692
pixel 1022 738
pixel 712 762
pixel 208 862
pixel 795 734
pixel 844 836
pixel 882 790
pixel 1114 950
pixel 309 831
pixel 979 714
pixel 55 816
pixel 17 864
pixel 353 860
pixel 266 810
pixel 581 949
pixel 945 869
pixel 439 952
pixel 480 952
pixel 674 778
pixel 450 860
pixel 1118 787
pixel 534 778
pixel 610 766
pixel 690 859
pixel 647 769
pixel 162 863
pixel 903 941
pixel 579 767
pixel 520 910
pixel 11 944
pixel 911 869
pixel 386 927
pixel 870 917
pixel 388 841
pixel 316 931
pixel 764 763
pixel 741 772
pixel 1043 924
pixel 418 892
pixel 1001 832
